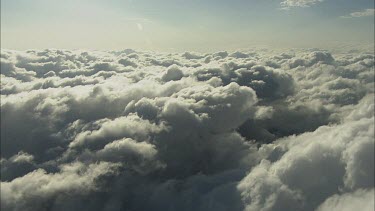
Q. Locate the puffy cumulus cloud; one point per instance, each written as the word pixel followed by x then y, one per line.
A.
pixel 313 167
pixel 361 200
pixel 16 166
pixel 39 190
pixel 173 73
pixel 127 147
pixel 261 190
pixel 268 83
pixel 132 130
pixel 200 120
pixel 311 59
pixel 129 126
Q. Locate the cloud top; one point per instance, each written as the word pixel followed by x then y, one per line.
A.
pixel 132 130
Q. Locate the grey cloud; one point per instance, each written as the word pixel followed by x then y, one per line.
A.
pixel 127 62
pixel 130 126
pixel 10 70
pixel 39 190
pixel 238 55
pixel 17 166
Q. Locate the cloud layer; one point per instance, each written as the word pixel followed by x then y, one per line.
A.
pixel 130 130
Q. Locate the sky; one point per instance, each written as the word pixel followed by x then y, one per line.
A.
pixel 184 25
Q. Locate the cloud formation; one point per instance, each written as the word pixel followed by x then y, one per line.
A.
pixel 131 130
pixel 286 4
pixel 363 13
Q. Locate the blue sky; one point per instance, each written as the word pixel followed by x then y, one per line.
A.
pixel 184 25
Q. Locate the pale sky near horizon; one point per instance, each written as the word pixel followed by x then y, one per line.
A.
pixel 184 25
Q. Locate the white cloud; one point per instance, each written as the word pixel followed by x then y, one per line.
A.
pixel 243 130
pixel 359 200
pixel 313 167
pixel 363 13
pixel 286 4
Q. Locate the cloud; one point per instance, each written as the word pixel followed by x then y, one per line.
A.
pixel 173 73
pixel 16 166
pixel 191 55
pixel 40 190
pixel 133 130
pixel 287 4
pixel 361 199
pixel 363 13
pixel 313 167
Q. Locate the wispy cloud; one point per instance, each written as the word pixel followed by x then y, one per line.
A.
pixel 363 13
pixel 287 4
